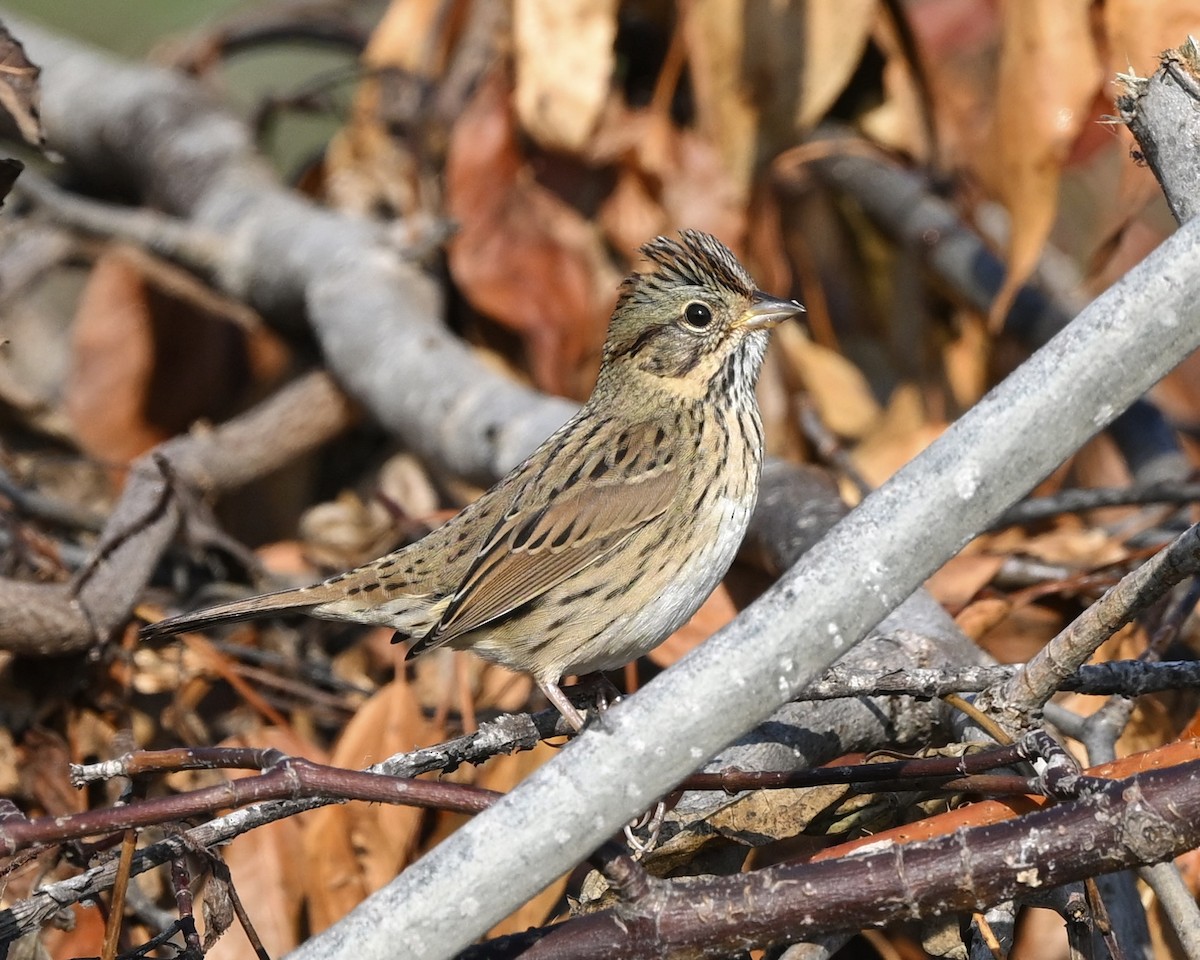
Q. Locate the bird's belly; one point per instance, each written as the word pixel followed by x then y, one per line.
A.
pixel 629 633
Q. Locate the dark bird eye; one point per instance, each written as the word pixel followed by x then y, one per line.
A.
pixel 697 314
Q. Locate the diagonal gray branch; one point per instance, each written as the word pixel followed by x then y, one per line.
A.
pixel 1126 340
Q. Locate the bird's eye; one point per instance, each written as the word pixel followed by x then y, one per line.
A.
pixel 697 315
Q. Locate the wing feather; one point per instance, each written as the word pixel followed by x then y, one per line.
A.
pixel 553 531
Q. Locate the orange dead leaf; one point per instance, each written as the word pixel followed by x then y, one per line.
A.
pixel 962 577
pixel 902 433
pixel 564 62
pixel 1015 637
pixel 354 849
pixel 842 395
pixel 1049 73
pixel 266 867
pixel 147 362
pixel 522 256
pixel 982 615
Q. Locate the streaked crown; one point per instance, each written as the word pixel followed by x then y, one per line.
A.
pixel 694 309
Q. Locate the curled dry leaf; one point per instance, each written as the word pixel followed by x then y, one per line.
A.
pixel 902 433
pixel 523 256
pixel 266 867
pixel 1048 76
pixel 842 395
pixel 148 359
pixel 962 577
pixel 564 63
pixel 354 849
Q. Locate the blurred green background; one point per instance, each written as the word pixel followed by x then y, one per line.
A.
pixel 150 29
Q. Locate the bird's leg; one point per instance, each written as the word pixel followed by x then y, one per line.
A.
pixel 603 691
pixel 555 695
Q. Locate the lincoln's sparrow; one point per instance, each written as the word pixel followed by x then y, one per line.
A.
pixel 608 538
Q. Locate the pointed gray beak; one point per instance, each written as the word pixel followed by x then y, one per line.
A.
pixel 767 311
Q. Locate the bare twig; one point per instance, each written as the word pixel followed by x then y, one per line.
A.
pixel 43 619
pixel 1077 501
pixel 1022 697
pixel 1133 821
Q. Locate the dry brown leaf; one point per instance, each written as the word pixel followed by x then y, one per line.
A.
pixel 1139 30
pixel 267 870
pixel 564 63
pixel 756 88
pixel 1015 638
pixel 700 192
pixel 965 360
pixel 669 178
pixel 1049 74
pixel 1072 546
pixel 522 256
pixel 713 614
pixel 81 936
pixel 835 35
pixel 982 615
pixel 899 121
pixel 146 362
pixel 840 391
pixel 366 168
pixel 631 214
pixel 355 849
pixel 715 34
pixel 957 582
pixel 957 41
pixel 1041 936
pixel 902 433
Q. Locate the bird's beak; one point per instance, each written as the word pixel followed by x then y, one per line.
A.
pixel 767 311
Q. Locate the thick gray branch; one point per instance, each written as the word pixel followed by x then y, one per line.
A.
pixel 143 131
pixel 1113 352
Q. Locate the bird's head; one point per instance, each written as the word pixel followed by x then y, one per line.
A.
pixel 695 315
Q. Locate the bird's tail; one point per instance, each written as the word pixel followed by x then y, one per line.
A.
pixel 283 601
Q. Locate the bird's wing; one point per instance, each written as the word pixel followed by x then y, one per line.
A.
pixel 569 515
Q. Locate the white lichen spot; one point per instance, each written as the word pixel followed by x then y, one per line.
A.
pixel 832 628
pixel 1029 877
pixel 468 906
pixel 785 688
pixel 696 753
pixel 562 836
pixel 966 481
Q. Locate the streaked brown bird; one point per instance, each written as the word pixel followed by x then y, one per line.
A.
pixel 610 536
